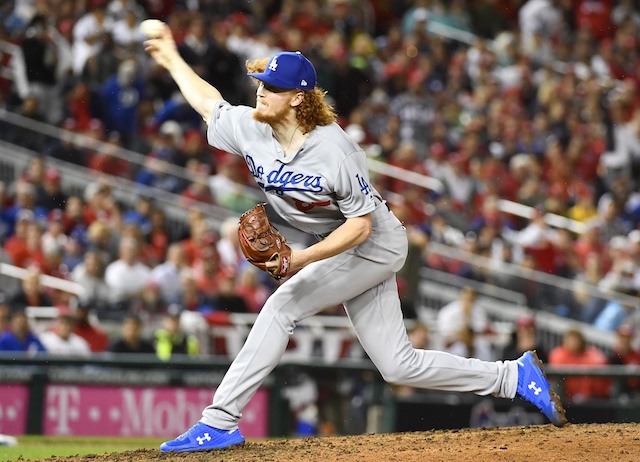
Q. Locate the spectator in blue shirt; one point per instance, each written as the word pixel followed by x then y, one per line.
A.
pixel 140 214
pixel 19 337
pixel 121 95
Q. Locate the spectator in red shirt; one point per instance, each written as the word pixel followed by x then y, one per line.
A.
pixel 78 101
pixel 53 261
pixel 574 352
pixel 405 156
pixel 158 236
pixel 414 198
pixel 85 327
pixel 589 242
pixel 17 244
pixel 31 254
pixel 73 217
pixel 108 161
pixel 96 195
pixel 584 152
pixel 536 239
pixel 201 237
pixel 251 290
pixel 198 190
pixel 194 147
pixel 595 15
pixel 207 271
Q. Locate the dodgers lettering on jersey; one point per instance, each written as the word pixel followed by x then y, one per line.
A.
pixel 315 189
pixel 283 179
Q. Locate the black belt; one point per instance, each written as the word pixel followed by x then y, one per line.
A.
pixel 382 201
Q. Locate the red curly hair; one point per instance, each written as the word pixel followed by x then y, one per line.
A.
pixel 313 111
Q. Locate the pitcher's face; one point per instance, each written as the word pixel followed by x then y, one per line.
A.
pixel 274 104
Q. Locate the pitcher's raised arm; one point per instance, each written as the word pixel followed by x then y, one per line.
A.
pixel 201 95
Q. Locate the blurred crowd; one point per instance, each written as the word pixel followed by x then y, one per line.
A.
pixel 532 101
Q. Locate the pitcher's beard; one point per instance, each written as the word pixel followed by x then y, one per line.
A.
pixel 271 119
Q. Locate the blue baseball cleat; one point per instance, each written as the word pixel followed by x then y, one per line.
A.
pixel 534 387
pixel 202 437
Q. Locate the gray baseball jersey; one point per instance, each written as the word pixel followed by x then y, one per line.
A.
pixel 316 189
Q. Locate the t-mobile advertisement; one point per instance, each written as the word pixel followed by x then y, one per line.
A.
pixel 138 411
pixel 13 408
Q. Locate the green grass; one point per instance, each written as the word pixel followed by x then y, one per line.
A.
pixel 41 447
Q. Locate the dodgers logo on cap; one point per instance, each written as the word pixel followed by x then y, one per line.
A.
pixel 288 70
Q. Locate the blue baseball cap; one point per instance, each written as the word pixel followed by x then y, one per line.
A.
pixel 288 70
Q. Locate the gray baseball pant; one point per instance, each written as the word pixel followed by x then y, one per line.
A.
pixel 363 279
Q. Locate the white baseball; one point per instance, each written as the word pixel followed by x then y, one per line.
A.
pixel 152 28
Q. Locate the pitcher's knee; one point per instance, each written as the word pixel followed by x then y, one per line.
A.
pixel 401 368
pixel 396 374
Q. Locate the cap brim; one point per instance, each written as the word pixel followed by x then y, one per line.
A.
pixel 271 80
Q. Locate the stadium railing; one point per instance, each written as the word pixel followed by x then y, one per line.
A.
pixel 45 280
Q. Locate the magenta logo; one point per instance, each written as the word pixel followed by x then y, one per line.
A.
pixel 138 411
pixel 13 409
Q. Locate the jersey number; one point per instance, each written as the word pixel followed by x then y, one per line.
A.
pixel 364 186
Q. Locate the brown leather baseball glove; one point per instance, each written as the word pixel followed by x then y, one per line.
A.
pixel 260 242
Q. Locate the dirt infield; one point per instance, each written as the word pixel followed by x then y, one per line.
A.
pixel 543 443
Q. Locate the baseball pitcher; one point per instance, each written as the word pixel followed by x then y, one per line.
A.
pixel 316 178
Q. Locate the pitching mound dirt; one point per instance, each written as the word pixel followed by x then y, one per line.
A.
pixel 543 443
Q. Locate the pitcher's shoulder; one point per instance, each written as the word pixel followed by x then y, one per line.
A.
pixel 335 140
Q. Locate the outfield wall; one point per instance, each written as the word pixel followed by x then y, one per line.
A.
pixel 145 397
